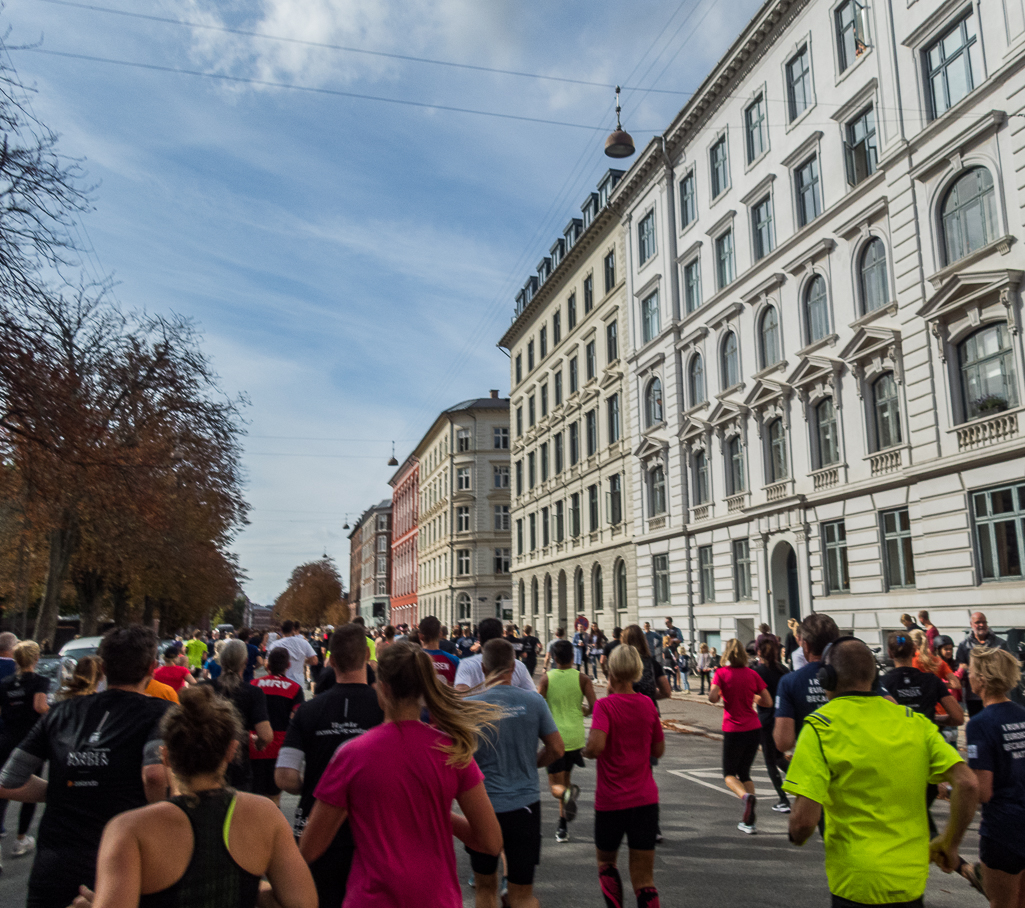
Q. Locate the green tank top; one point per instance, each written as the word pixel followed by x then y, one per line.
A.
pixel 564 700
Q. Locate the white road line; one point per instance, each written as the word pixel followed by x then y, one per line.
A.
pixel 685 774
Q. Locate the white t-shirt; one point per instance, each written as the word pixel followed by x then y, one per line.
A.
pixel 299 650
pixel 471 673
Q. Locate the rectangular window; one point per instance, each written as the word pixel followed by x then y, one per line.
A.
pixel 761 227
pixel 531 411
pixel 519 421
pixel 834 544
pixel 557 452
pixel 463 479
pixel 701 487
pixel 502 439
pixel 862 156
pixel 646 236
pixel 519 368
pixel 692 285
pixel 519 477
pixel 559 529
pixel 851 32
pixel 799 83
pixel 382 564
pixel 501 477
pixel 532 524
pixel 503 563
pixel 613 409
pixel 591 419
pixel 574 514
pixel 806 189
pixel 707 573
pixel 650 318
pixel 660 573
pixel 530 355
pixel 571 311
pixel 501 517
pixel 615 500
pixel 897 556
pixel 531 470
pixel 558 388
pixel 725 269
pixel 688 200
pixel 592 508
pixel 574 443
pixel 1000 531
pixel 544 527
pixel 544 462
pixel 574 378
pixel 591 360
pixel 720 168
pixel 953 65
pixel 611 342
pixel 462 562
pixel 462 440
pixel 382 590
pixel 519 536
pixel 542 341
pixel 544 401
pixel 556 328
pixel 588 293
pixel 741 569
pixel 610 271
pixel 462 520
pixel 756 128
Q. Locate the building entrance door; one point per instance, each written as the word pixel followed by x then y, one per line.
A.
pixel 786 597
pixel 563 605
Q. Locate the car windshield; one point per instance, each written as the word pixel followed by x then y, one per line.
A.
pixel 77 654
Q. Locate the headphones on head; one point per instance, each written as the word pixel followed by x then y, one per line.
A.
pixel 826 675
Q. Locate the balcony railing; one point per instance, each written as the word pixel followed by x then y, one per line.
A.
pixel 987 432
pixel 735 502
pixel 777 490
pixel 700 512
pixel 886 462
pixel 657 523
pixel 826 479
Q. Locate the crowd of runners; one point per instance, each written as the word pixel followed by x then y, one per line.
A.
pixel 165 769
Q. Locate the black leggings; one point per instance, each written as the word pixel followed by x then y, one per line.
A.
pixel 739 749
pixel 705 674
pixel 28 812
pixel 774 761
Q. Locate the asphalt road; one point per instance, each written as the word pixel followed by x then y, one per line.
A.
pixel 705 860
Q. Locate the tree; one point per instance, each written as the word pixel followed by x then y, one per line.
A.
pixel 313 589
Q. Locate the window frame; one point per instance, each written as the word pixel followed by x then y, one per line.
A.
pixel 987 523
pixel 1005 354
pixel 905 559
pixel 807 307
pixel 612 342
pixel 692 267
pixel 736 480
pixel 702 478
pixel 870 155
pixel 591 431
pixel 501 438
pixel 660 579
pixel 776 451
pixel 725 249
pixel 688 199
pixel 593 512
pixel 819 430
pixel 741 550
pixel 501 514
pixel 654 406
pixel 890 420
pixel 651 317
pixel 975 71
pixel 657 491
pixel 763 236
pixel 463 519
pixel 834 559
pixel 770 334
pixel 724 370
pixel 695 374
pixel 609 271
pixel 803 191
pixel 875 274
pixel 984 202
pixel 803 53
pixel 646 237
pixel 614 426
pixel 706 573
pixel 756 127
pixel 719 166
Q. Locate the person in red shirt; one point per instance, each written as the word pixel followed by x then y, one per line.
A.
pixel 739 687
pixel 172 674
pixel 626 734
pixel 445 664
pixel 284 697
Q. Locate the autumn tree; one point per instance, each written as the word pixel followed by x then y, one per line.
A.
pixel 314 590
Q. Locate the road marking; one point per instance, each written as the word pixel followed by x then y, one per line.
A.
pixel 692 775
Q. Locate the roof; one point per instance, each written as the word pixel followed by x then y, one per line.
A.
pixel 481 403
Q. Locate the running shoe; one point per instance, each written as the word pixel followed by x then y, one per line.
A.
pixel 972 873
pixel 569 802
pixel 782 807
pixel 749 810
pixel 750 829
pixel 562 834
pixel 23 846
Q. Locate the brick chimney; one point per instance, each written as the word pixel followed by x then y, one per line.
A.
pixel 494 395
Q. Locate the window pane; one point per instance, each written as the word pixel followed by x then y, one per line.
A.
pixel 1008 556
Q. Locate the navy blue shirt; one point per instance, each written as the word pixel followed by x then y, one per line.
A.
pixel 996 742
pixel 799 694
pixel 253 655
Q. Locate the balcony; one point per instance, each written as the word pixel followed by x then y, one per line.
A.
pixel 736 503
pixel 886 461
pixel 657 523
pixel 985 432
pixel 777 491
pixel 826 478
pixel 701 512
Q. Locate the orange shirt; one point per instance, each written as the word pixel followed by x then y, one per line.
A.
pixel 161 691
pixel 942 671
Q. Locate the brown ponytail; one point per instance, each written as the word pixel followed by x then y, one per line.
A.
pixel 409 673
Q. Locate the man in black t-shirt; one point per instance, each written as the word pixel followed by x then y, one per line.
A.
pixel 319 727
pixel 104 756
pixel 607 649
pixel 531 645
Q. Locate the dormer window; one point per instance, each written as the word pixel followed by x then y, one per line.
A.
pixel 590 209
pixel 557 251
pixel 572 232
pixel 544 269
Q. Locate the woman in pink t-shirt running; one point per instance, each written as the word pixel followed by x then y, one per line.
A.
pixel 739 687
pixel 404 853
pixel 626 733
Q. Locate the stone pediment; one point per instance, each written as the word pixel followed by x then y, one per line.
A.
pixel 966 289
pixel 726 412
pixel 813 369
pixel 870 342
pixel 765 392
pixel 693 428
pixel 650 447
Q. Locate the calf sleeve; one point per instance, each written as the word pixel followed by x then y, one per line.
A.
pixel 648 898
pixel 611 886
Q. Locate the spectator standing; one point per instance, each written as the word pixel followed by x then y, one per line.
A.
pixel 931 630
pixel 610 645
pixel 7 664
pixel 704 667
pixel 979 635
pixel 654 640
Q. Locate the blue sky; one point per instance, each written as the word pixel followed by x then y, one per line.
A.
pixel 351 263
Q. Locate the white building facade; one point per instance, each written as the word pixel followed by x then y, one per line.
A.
pixel 824 271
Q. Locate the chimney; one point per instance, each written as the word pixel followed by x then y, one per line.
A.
pixel 494 395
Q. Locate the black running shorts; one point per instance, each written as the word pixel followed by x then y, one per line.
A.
pixel 739 749
pixel 263 778
pixel 995 854
pixel 567 761
pixel 638 824
pixel 521 833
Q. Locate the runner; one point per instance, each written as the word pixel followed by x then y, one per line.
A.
pixel 445 664
pixel 799 694
pixel 464 644
pixel 610 645
pixel 507 754
pixel 704 667
pixel 560 634
pixel 470 674
pixel 22 702
pixel 738 687
pixel 171 673
pixel 388 639
pixel 104 756
pixel 931 630
pixel 626 736
pixel 770 670
pixel 209 845
pixel 653 682
pixel 570 696
pixel 996 751
pixel 397 783
pixel 317 730
pixel 161 691
pixel 927 660
pixel 531 646
pixel 86 678
pixel 300 653
pixel 284 697
pixel 254 660
pixel 196 652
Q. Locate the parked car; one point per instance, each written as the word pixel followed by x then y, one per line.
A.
pixel 49 667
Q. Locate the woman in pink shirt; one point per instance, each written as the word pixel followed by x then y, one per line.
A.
pixel 626 733
pixel 739 687
pixel 404 854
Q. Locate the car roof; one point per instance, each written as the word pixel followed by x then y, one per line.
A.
pixel 81 643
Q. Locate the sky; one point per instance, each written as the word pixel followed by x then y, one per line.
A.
pixel 351 261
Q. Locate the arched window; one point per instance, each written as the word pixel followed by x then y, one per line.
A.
pixel 533 595
pixel 523 598
pixel 578 584
pixel 875 290
pixel 988 383
pixel 597 596
pixel 969 214
pixel 621 586
pixel 463 607
pixel 735 464
pixel 887 412
pixel 777 451
pixel 730 361
pixel 548 595
pixel 700 478
pixel 657 491
pixel 816 306
pixel 696 380
pixel 770 338
pixel 825 428
pixel 653 403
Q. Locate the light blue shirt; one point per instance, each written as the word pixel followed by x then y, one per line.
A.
pixel 508 756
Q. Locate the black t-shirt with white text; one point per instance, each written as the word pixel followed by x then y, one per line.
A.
pixel 16 710
pixel 919 691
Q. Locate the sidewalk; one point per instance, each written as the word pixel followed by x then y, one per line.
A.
pixel 686 713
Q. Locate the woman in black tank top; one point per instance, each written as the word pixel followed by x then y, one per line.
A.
pixel 209 846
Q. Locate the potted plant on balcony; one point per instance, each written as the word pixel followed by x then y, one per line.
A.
pixel 991 403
